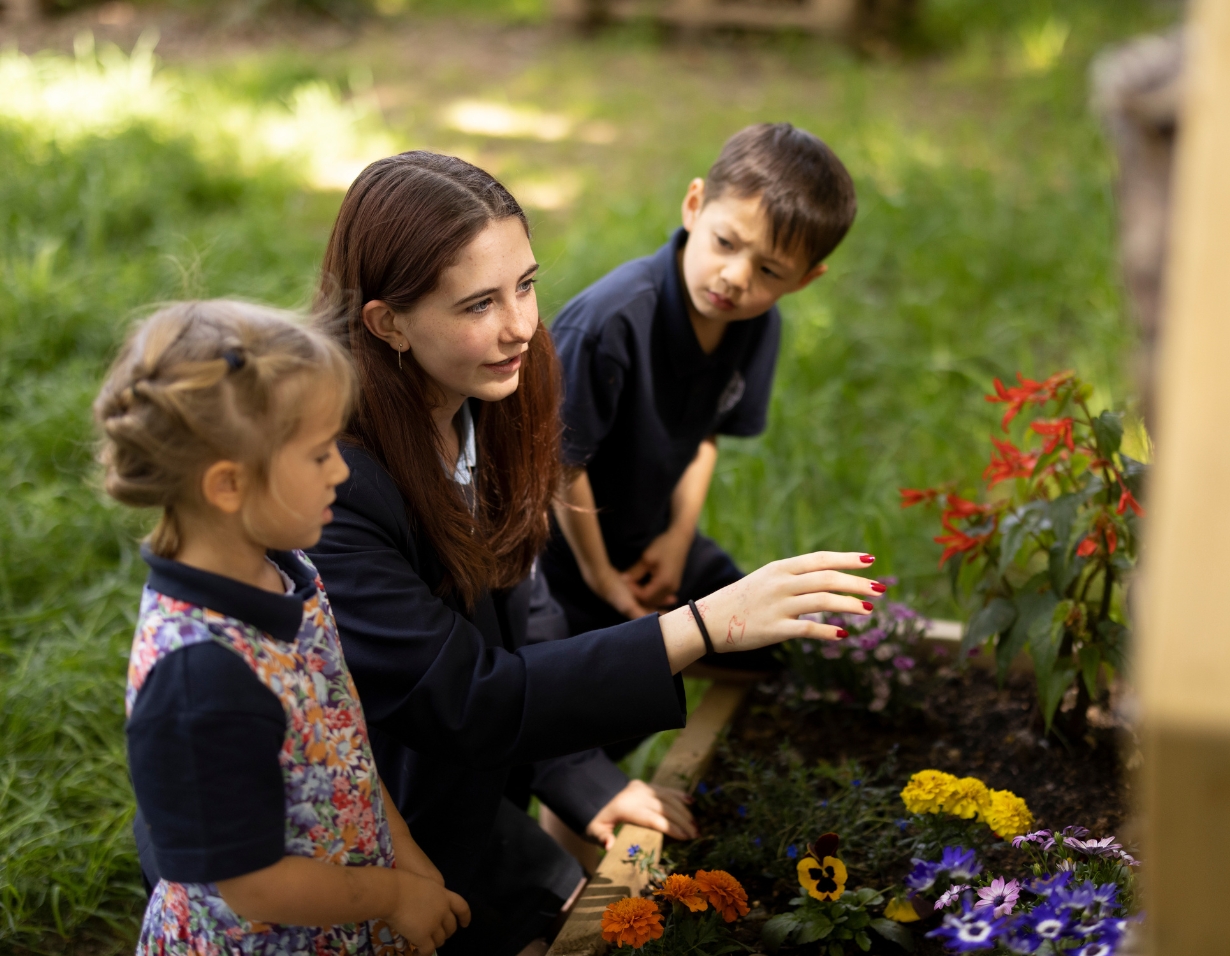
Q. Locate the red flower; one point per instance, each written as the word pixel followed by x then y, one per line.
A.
pixel 1126 500
pixel 958 542
pixel 1087 547
pixel 1103 529
pixel 1012 463
pixel 1058 430
pixel 1029 391
pixel 910 497
pixel 958 507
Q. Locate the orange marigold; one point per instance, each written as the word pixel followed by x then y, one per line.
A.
pixel 632 920
pixel 678 888
pixel 725 893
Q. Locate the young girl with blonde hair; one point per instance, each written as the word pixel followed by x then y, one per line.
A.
pixel 256 787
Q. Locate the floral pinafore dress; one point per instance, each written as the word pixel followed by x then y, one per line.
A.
pixel 334 810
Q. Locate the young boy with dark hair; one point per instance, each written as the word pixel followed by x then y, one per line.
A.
pixel 667 352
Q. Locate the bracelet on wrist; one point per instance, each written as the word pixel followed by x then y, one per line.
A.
pixel 700 624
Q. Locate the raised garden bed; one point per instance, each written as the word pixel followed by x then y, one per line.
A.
pixel 773 768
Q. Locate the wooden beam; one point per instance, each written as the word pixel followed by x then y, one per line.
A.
pixel 1183 663
pixel 683 766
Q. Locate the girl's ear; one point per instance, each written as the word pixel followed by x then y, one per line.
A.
pixel 381 321
pixel 223 485
pixel 693 203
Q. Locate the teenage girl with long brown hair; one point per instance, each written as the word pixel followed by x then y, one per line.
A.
pixel 430 559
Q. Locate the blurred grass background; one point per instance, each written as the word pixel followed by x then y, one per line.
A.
pixel 984 244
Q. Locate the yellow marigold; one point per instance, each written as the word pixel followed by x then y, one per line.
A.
pixel 632 920
pixel 823 879
pixel 926 791
pixel 725 893
pixel 1007 814
pixel 678 888
pixel 901 911
pixel 967 798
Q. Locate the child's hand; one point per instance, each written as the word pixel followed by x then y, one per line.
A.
pixel 426 914
pixel 663 561
pixel 646 805
pixel 613 589
pixel 764 607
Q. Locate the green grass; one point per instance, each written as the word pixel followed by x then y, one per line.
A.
pixel 984 244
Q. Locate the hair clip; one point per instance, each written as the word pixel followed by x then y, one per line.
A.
pixel 234 358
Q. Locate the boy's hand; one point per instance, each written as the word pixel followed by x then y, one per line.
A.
pixel 613 589
pixel 426 914
pixel 645 805
pixel 663 561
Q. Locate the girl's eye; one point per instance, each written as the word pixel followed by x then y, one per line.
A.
pixel 526 285
pixel 321 459
pixel 478 308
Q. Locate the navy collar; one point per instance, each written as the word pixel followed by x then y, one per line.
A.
pixel 687 357
pixel 278 615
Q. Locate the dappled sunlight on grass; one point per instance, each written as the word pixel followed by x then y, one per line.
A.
pixel 316 135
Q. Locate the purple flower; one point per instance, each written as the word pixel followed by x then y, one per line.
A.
pixel 1047 923
pixel 922 877
pixel 1103 847
pixel 1001 896
pixel 806 647
pixel 1076 899
pixel 634 849
pixel 1045 886
pixel 1107 895
pixel 903 663
pixel 1038 836
pixel 868 641
pixel 1097 948
pixel 829 650
pixel 960 863
pixel 971 930
pixel 858 656
pixel 902 612
pixel 1074 831
pixel 950 896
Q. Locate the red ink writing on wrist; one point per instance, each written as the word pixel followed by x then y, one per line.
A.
pixel 735 622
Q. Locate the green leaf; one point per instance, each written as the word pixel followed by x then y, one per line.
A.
pixel 1063 511
pixel 1108 432
pixel 777 930
pixel 994 618
pixel 858 919
pixel 1015 527
pixel 1046 636
pixel 815 928
pixel 862 941
pixel 836 949
pixel 895 933
pixel 869 897
pixel 1033 612
pixel 1051 690
pixel 1091 661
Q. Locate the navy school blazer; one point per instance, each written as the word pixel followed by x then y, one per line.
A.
pixel 456 699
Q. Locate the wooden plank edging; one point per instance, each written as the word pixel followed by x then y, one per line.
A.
pixel 683 766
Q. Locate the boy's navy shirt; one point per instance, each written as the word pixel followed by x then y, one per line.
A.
pixel 640 394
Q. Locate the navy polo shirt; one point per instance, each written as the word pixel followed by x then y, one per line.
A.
pixel 205 733
pixel 640 394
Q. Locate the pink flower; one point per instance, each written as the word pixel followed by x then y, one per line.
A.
pixel 950 896
pixel 1001 895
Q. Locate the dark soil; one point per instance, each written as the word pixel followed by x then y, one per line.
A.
pixel 962 724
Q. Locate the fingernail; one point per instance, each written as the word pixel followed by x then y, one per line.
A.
pixel 868 606
pixel 867 558
pixel 842 632
pixel 878 587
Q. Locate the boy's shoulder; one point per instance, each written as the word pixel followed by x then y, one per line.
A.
pixel 628 293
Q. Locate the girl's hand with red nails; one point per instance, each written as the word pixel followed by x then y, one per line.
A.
pixel 764 608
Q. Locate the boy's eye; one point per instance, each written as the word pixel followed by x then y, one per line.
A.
pixel 769 272
pixel 478 308
pixel 724 243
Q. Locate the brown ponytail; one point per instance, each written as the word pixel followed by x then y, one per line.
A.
pixel 198 382
pixel 403 222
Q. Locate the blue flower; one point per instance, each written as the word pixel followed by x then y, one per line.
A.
pixel 961 864
pixel 922 877
pixel 792 852
pixel 634 849
pixel 902 824
pixel 741 810
pixel 1078 899
pixel 1107 896
pixel 971 930
pixel 824 803
pixel 702 788
pixel 856 783
pixel 1097 948
pixel 755 841
pixel 1045 886
pixel 1047 923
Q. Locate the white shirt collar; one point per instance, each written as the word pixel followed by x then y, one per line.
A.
pixel 467 457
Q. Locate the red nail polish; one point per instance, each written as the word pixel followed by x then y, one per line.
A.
pixel 868 606
pixel 878 587
pixel 867 558
pixel 842 632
